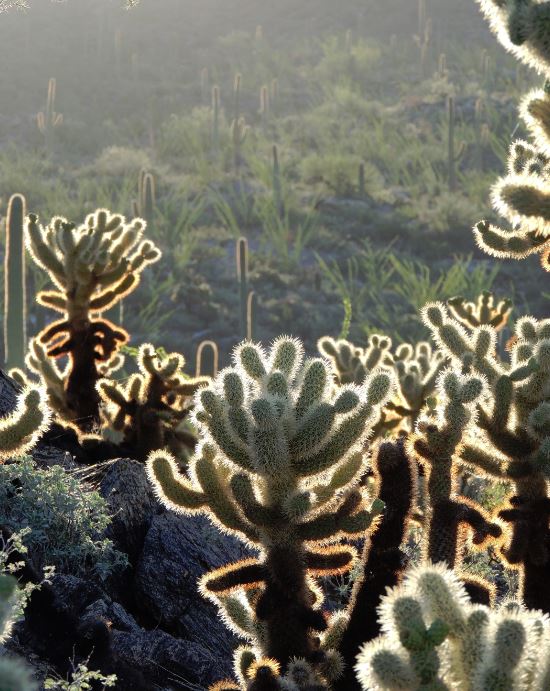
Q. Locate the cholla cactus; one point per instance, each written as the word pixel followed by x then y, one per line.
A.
pixel 511 439
pixel 20 430
pixel 522 196
pixel 279 466
pixel 436 444
pixel 482 312
pixel 93 266
pixel 149 410
pixel 435 638
pixel 415 367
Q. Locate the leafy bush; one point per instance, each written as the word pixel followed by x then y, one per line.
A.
pixel 66 520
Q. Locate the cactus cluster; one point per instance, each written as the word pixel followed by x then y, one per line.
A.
pixel 522 195
pixel 149 409
pixel 279 464
pixel 93 266
pixel 415 367
pixel 434 637
pixel 510 440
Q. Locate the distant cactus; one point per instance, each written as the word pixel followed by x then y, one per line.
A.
pixel 150 408
pixel 15 302
pixel 246 297
pixel 454 154
pixel 205 85
pixel 279 465
pixel 483 312
pixel 93 266
pixel 49 120
pixel 207 364
pixel 144 205
pixel 522 196
pixel 416 369
pixel 435 638
pixel 512 437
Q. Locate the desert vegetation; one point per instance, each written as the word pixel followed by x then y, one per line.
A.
pixel 276 387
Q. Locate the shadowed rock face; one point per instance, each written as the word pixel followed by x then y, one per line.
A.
pixel 147 624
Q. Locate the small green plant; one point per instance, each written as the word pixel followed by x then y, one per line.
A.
pixel 66 520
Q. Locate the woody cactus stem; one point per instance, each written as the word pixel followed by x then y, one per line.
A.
pixel 93 266
pixel 207 359
pixel 48 121
pixel 279 465
pixel 453 155
pixel 15 303
pixel 383 562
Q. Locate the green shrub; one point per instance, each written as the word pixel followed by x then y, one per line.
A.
pixel 66 520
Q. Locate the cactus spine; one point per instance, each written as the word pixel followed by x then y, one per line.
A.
pixel 49 120
pixel 15 302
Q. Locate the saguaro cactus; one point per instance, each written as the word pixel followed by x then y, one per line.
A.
pixel 279 465
pixel 246 297
pixel 93 266
pixel 48 121
pixel 453 154
pixel 522 195
pixel 207 359
pixel 15 302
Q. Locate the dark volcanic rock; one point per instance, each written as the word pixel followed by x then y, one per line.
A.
pixel 178 550
pixel 132 505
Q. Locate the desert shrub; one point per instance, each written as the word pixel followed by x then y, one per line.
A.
pixel 67 521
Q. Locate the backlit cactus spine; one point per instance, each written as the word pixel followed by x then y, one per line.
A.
pixel 485 311
pixel 92 266
pixel 15 302
pixel 435 638
pixel 279 465
pixel 512 439
pixel 522 196
pixel 48 121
